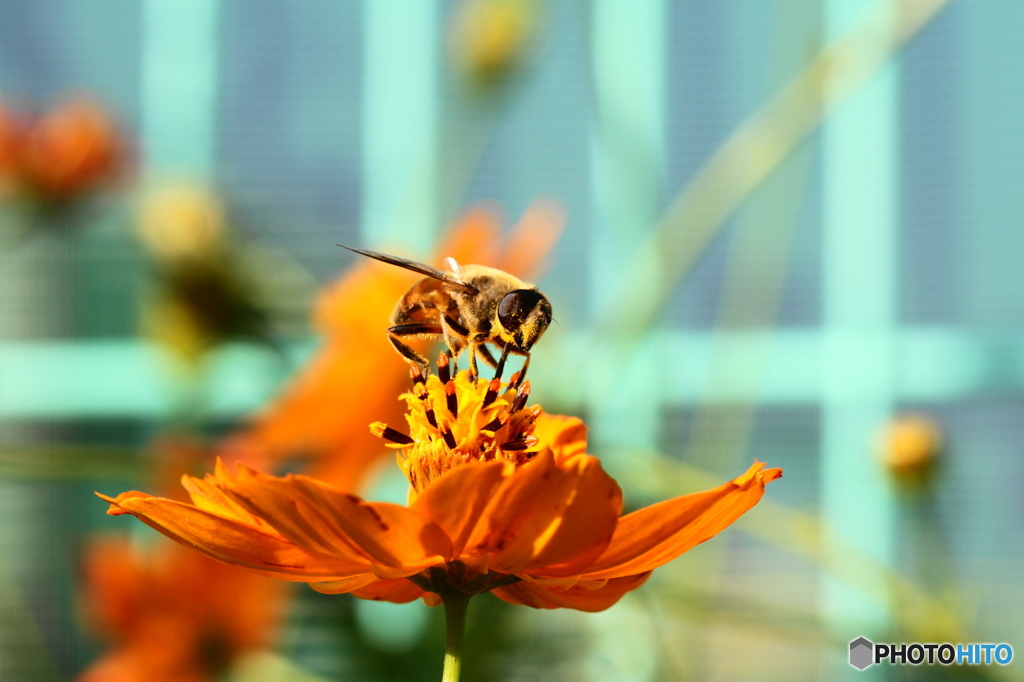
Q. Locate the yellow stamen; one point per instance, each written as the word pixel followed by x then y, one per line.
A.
pixel 459 421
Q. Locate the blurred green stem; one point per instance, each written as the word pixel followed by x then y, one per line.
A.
pixel 455 624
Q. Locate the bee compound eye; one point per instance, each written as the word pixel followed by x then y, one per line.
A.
pixel 515 307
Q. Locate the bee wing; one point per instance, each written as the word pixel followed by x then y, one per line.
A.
pixel 415 266
pixel 453 265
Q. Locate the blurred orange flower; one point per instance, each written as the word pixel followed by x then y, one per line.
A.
pixel 353 378
pixel 172 615
pixel 60 155
pixel 11 133
pixel 72 149
pixel 503 497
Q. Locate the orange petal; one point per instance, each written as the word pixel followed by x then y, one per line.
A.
pixel 582 596
pixel 345 585
pixel 352 380
pixel 206 494
pixel 233 542
pixel 323 520
pixel 400 591
pixel 655 535
pixel 286 507
pixel 587 525
pixel 114 586
pixel 567 436
pixel 397 539
pixel 356 308
pixel 532 239
pixel 547 516
pixel 153 655
pixel 473 238
pixel 456 500
pixel 431 598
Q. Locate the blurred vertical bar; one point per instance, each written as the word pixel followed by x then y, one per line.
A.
pixel 179 87
pixel 860 211
pixel 628 166
pixel 179 69
pixel 400 123
pixel 989 154
pixel 401 195
pixel 38 279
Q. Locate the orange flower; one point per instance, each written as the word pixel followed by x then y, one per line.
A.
pixel 71 150
pixel 503 497
pixel 12 127
pixel 60 155
pixel 317 417
pixel 172 615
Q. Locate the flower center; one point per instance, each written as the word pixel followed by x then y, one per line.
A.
pixel 460 420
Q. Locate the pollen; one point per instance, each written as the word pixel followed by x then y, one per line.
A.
pixel 460 420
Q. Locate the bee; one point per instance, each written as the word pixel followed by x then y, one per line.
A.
pixel 470 306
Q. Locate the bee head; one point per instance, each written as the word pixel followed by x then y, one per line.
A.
pixel 522 316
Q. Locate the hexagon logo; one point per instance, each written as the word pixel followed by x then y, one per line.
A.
pixel 861 653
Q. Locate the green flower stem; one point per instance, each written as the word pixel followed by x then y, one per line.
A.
pixel 455 624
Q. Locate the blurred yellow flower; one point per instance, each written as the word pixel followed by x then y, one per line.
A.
pixel 199 305
pixel 492 38
pixel 909 447
pixel 182 221
pixel 210 288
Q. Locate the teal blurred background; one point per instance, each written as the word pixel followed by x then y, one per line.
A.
pixel 787 224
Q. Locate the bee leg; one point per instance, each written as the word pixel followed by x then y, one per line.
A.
pixel 455 337
pixel 485 355
pixel 499 367
pixel 474 371
pixel 522 371
pixel 406 351
pixel 478 348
